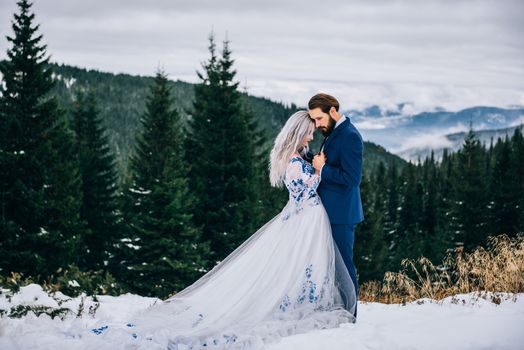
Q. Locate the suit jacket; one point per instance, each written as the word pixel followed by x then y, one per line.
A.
pixel 339 187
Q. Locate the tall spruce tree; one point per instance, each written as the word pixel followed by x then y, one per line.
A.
pixel 221 154
pixel 503 204
pixel 100 206
pixel 370 244
pixel 40 189
pixel 445 203
pixel 162 253
pixel 432 246
pixel 256 147
pixel 390 221
pixel 469 206
pixel 516 175
pixel 409 237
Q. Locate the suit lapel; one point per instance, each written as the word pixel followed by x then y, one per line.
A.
pixel 336 131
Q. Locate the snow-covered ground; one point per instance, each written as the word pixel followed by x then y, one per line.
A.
pixel 461 322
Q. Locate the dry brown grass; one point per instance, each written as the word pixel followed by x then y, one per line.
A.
pixel 499 268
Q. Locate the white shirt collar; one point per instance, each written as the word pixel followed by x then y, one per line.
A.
pixel 340 121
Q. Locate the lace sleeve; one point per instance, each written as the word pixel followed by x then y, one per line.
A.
pixel 301 180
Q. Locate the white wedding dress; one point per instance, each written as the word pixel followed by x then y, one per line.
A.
pixel 287 278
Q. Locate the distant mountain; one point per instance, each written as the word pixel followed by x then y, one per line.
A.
pixel 121 99
pixel 456 141
pixel 401 109
pixel 485 136
pixel 411 136
pixel 481 118
pixel 375 154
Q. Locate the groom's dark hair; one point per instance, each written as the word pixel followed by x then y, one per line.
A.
pixel 324 102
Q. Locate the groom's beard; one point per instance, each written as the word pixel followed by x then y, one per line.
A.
pixel 326 130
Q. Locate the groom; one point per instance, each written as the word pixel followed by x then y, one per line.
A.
pixel 340 166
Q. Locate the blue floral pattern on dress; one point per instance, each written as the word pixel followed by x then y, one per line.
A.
pixel 309 288
pixel 198 320
pixel 230 338
pixel 286 302
pixel 302 183
pixel 99 330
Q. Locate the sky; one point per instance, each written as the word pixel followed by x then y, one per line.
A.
pixel 451 54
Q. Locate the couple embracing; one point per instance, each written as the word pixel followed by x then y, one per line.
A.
pixel 293 275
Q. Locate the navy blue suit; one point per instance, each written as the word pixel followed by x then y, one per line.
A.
pixel 339 188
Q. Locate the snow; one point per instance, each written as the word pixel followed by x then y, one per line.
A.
pixel 69 82
pixel 430 325
pixel 73 283
pixel 460 322
pixel 139 191
pixel 43 232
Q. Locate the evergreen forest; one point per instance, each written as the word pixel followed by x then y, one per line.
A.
pixel 142 184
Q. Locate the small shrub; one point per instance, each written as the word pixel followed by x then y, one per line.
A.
pixel 15 281
pixel 18 311
pixel 499 268
pixel 73 282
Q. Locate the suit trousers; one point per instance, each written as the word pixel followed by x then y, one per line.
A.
pixel 344 237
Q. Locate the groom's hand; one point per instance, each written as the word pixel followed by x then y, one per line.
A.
pixel 319 160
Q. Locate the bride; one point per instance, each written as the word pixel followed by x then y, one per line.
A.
pixel 287 278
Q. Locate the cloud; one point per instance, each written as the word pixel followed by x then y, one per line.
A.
pixel 370 125
pixel 519 121
pixel 377 123
pixel 424 141
pixel 431 53
pixel 429 139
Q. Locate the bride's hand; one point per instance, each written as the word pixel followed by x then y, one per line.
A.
pixel 319 160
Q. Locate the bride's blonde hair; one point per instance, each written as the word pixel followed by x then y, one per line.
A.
pixel 288 141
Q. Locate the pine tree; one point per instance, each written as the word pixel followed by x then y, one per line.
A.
pixel 256 147
pixel 40 182
pixel 516 174
pixel 432 246
pixel 100 206
pixel 502 204
pixel 370 244
pixel 221 154
pixel 469 189
pixel 163 252
pixel 391 228
pixel 409 237
pixel 444 200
